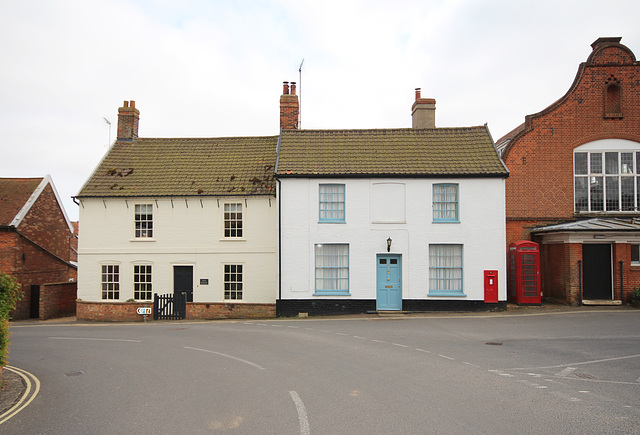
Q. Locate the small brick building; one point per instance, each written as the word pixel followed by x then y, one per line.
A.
pixel 36 247
pixel 574 185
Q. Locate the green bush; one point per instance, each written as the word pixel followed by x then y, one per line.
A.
pixel 636 293
pixel 10 294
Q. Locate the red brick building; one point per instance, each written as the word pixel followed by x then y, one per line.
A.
pixel 574 184
pixel 36 240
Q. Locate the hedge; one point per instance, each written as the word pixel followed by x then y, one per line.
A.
pixel 10 294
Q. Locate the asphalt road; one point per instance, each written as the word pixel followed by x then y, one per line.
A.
pixel 570 373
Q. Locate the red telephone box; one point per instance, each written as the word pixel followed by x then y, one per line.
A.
pixel 524 272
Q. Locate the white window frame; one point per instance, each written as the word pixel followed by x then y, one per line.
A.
pixel 233 224
pixel 110 282
pixel 331 268
pixel 143 221
pixel 142 282
pixel 446 269
pixel 599 186
pixel 233 282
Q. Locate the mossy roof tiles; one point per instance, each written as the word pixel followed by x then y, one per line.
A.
pixel 464 151
pixel 186 167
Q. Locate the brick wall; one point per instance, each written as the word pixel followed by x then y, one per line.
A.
pixel 111 311
pixel 540 185
pixel 46 225
pixel 539 190
pixel 208 311
pixel 58 300
pixel 126 311
pixel 560 271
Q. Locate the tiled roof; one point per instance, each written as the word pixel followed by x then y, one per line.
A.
pixel 466 151
pixel 186 167
pixel 14 193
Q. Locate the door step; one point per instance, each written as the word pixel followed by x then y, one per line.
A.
pixel 604 302
pixel 391 313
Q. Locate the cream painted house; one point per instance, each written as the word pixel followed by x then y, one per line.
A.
pixel 391 219
pixel 192 216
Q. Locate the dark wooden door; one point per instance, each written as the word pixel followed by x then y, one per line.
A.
pixel 183 281
pixel 34 311
pixel 597 272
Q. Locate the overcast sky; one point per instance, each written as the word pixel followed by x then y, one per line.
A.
pixel 214 68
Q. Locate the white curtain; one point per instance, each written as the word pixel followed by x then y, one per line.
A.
pixel 445 267
pixel 332 267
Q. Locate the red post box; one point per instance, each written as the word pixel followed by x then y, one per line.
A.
pixel 524 273
pixel 491 286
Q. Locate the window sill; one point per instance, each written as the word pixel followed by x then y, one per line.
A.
pixel 331 222
pixel 332 294
pixel 447 294
pixel 143 239
pixel 233 239
pixel 444 221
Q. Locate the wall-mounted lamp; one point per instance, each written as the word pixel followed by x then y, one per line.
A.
pixel 389 244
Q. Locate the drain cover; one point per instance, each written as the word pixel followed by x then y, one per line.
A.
pixel 76 373
pixel 493 343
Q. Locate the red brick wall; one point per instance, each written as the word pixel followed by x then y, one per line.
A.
pixel 562 281
pixel 210 311
pixel 58 300
pixel 540 185
pixel 46 225
pixel 36 267
pixel 631 274
pixel 539 190
pixel 111 311
pixel 126 311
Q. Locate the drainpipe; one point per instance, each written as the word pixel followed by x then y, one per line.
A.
pixel 279 193
pixel 279 304
pixel 580 279
pixel 622 282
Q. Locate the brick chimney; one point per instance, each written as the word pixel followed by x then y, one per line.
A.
pixel 128 119
pixel 423 112
pixel 289 107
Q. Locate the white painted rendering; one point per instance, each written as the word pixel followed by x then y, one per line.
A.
pixel 481 230
pixel 187 232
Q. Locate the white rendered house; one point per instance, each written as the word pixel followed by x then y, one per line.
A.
pixel 193 216
pixel 391 219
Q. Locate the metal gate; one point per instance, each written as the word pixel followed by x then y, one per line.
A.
pixel 169 306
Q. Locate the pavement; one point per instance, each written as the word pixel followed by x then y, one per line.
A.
pixel 14 387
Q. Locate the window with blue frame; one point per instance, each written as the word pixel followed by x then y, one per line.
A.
pixel 332 269
pixel 445 270
pixel 331 207
pixel 445 203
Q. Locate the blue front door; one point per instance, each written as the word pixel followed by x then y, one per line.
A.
pixel 389 282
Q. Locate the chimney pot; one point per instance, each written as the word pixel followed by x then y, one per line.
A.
pixel 417 94
pixel 285 88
